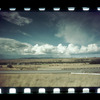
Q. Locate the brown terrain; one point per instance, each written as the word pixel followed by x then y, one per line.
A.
pixel 49 79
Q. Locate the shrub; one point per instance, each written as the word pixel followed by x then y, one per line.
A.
pixel 9 66
pixel 0 66
pixel 96 61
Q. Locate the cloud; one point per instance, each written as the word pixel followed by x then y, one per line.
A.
pixel 12 47
pixel 15 18
pixel 91 48
pixel 42 49
pixel 79 28
pixel 61 49
pixel 72 49
pixel 24 33
pixel 74 33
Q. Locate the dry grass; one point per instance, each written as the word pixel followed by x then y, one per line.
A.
pixel 39 64
pixel 47 60
pixel 49 80
pixel 49 66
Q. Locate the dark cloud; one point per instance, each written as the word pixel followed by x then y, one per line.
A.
pixel 79 28
pixel 11 46
pixel 15 18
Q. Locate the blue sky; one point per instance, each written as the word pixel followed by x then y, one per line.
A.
pixel 49 34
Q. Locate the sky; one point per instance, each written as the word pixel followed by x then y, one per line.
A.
pixel 49 34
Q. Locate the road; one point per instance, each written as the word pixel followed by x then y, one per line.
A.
pixel 69 70
pixel 34 72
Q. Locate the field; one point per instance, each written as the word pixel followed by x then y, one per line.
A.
pixel 51 79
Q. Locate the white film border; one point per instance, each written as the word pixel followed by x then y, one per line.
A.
pixel 43 90
pixel 27 90
pixel 12 91
pixel 12 9
pixel 71 8
pixel 42 9
pixel 56 90
pixel 71 90
pixel 86 90
pixel 27 9
pixel 0 91
pixel 55 9
pixel 85 8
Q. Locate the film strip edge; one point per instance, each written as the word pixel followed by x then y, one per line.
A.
pixel 53 90
pixel 52 9
pixel 49 90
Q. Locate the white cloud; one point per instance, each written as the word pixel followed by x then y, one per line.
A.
pixel 89 49
pixel 13 47
pixel 61 49
pixel 72 49
pixel 43 49
pixel 15 18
